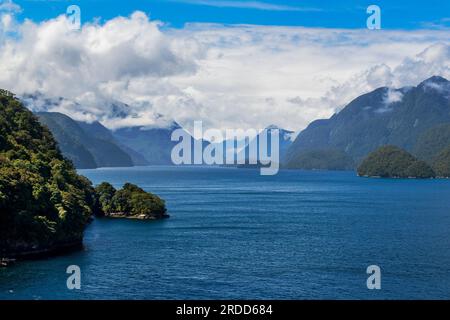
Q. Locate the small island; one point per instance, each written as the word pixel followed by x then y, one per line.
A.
pixel 393 162
pixel 130 202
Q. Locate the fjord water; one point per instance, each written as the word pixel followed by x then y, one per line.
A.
pixel 235 234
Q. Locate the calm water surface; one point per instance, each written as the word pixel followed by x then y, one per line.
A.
pixel 235 234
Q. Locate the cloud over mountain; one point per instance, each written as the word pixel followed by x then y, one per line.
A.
pixel 228 76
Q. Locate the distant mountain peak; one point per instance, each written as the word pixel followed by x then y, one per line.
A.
pixel 435 80
pixel 275 127
pixel 174 125
pixel 437 84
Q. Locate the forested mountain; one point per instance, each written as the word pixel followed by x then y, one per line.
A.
pixel 385 116
pixel 322 159
pixel 44 203
pixel 87 145
pixel 432 142
pixel 441 163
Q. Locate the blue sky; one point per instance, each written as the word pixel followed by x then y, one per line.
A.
pixel 401 14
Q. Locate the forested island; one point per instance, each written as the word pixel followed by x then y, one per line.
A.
pixel 44 204
pixel 393 162
pixel 129 202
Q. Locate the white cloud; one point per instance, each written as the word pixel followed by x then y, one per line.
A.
pixel 291 76
pixel 393 96
pixel 9 6
pixel 228 76
pixel 442 88
pixel 7 11
pixel 443 23
pixel 258 5
pixel 97 64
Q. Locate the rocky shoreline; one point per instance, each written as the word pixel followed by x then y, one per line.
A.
pixel 120 215
pixel 7 258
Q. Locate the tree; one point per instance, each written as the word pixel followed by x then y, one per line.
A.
pixel 105 193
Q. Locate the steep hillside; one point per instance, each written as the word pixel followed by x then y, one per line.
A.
pixel 384 116
pixel 87 145
pixel 44 204
pixel 154 144
pixel 432 142
pixel 441 163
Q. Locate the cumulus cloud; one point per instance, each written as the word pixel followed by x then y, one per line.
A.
pixel 129 71
pixel 433 60
pixel 9 6
pixel 94 66
pixel 7 11
pixel 291 76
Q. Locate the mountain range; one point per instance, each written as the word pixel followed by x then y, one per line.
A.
pixel 154 144
pixel 92 145
pixel 413 118
pixel 416 119
pixel 285 139
pixel 87 145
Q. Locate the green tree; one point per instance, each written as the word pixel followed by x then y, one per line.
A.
pixel 105 193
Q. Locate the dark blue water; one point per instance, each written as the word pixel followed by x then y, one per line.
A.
pixel 235 234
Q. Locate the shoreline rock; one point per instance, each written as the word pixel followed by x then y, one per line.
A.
pixel 136 217
pixel 40 253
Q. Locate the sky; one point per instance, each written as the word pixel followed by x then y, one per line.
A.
pixel 233 64
pixel 400 14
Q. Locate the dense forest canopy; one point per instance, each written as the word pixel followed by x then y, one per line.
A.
pixel 43 201
pixel 129 201
pixel 393 162
pixel 441 165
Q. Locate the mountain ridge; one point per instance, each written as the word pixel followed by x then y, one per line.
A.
pixel 384 116
pixel 93 138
